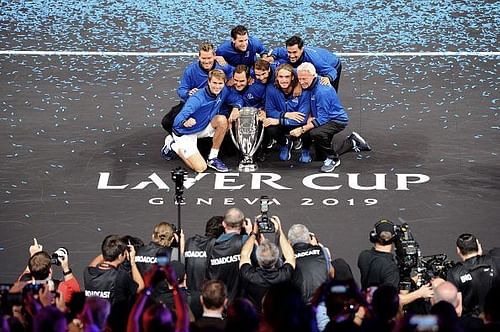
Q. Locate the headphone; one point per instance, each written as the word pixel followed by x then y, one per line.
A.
pixel 374 238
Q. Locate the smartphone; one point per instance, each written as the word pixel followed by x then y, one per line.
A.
pixel 162 258
pixel 425 323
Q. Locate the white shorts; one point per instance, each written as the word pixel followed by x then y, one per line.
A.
pixel 187 144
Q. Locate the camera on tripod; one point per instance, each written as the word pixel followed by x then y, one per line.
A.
pixel 179 176
pixel 264 224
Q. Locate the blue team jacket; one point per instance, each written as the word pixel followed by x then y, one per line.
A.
pixel 203 106
pixel 325 105
pixel 235 57
pixel 323 60
pixel 277 104
pixel 195 76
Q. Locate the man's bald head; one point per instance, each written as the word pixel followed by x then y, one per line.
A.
pixel 447 292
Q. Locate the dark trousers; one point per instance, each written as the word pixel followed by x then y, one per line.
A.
pixel 168 120
pixel 323 137
pixel 335 83
pixel 279 133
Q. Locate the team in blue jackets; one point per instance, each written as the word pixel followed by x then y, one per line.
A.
pixel 201 117
pixel 327 64
pixel 327 119
pixel 293 88
pixel 242 49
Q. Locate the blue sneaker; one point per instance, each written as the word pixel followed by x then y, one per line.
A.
pixel 285 150
pixel 329 165
pixel 305 157
pixel 218 165
pixel 358 142
pixel 166 151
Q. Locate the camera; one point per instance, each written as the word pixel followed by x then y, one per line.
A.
pixel 410 260
pixel 179 176
pixel 59 253
pixel 264 224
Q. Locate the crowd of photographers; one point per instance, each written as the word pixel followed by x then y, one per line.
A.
pixel 244 275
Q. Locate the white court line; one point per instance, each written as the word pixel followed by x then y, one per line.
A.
pixel 172 54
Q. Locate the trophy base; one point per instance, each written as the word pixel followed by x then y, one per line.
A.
pixel 246 168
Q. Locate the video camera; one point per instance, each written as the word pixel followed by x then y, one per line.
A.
pixel 411 262
pixel 264 224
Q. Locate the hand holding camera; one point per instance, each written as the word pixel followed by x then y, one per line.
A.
pixel 263 222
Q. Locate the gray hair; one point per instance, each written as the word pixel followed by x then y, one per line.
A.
pixel 267 254
pixel 234 218
pixel 298 233
pixel 308 67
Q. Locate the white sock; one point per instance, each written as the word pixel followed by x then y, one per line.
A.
pixel 213 153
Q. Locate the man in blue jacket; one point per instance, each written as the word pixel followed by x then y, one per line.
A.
pixel 201 117
pixel 253 94
pixel 327 119
pixel 195 77
pixel 242 49
pixel 286 108
pixel 327 64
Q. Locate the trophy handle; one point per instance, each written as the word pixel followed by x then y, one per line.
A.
pixel 261 137
pixel 231 132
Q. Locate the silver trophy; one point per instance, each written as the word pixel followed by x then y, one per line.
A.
pixel 247 134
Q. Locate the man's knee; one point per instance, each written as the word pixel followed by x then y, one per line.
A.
pixel 200 168
pixel 219 121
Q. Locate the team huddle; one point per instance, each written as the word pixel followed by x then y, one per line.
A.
pixel 293 87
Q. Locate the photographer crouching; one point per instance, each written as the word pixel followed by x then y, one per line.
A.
pixel 378 265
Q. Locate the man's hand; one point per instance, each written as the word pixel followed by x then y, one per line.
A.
pixel 425 291
pixel 131 253
pixel 270 122
pixel 247 225
pixel 313 240
pixel 35 247
pixel 296 132
pixel 297 116
pixel 220 59
pixel 189 123
pixel 235 114
pixel 261 115
pixel 192 91
pixel 267 57
pixel 62 257
pixel 277 224
pixel 324 80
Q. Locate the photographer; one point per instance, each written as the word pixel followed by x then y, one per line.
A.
pixel 313 265
pixel 164 240
pixel 40 268
pixel 195 258
pixel 474 276
pixel 257 280
pixel 104 276
pixel 224 253
pixel 377 265
pixel 163 246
